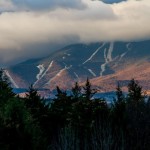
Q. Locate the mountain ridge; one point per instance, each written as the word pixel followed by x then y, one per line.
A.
pixel 97 61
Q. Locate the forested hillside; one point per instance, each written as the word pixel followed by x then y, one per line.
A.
pixel 75 121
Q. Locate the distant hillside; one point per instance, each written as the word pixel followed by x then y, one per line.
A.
pixel 104 63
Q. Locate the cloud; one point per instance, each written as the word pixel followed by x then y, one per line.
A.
pixel 21 31
pixel 6 5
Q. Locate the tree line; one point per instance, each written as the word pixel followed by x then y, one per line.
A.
pixel 75 121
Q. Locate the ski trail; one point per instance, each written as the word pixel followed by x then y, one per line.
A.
pixel 110 50
pixel 11 79
pixel 41 70
pixel 122 55
pixel 92 72
pixel 128 46
pixel 50 65
pixel 58 74
pixel 128 49
pixel 107 57
pixel 77 76
pixel 42 75
pixel 94 54
pixel 103 66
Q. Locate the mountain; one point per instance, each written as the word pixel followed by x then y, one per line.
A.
pixel 103 63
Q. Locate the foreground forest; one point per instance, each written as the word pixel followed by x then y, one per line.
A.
pixel 74 122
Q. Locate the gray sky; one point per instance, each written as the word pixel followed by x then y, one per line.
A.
pixel 33 28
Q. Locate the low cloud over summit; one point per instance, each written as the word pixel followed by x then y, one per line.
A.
pixel 27 25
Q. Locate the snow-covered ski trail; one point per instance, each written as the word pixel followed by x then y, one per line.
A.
pixel 108 58
pixel 41 70
pixel 42 75
pixel 77 76
pixel 93 54
pixel 58 74
pixel 11 79
pixel 128 49
pixel 90 70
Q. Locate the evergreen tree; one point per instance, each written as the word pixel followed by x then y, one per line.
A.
pixel 33 101
pixel 60 108
pixel 5 90
pixel 76 91
pixel 38 109
pixel 60 94
pixel 119 94
pixel 88 91
pixel 119 102
pixel 135 93
pixel 119 109
pixel 19 130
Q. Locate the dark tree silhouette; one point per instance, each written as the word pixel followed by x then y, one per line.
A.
pixel 76 91
pixel 5 90
pixel 135 93
pixel 88 91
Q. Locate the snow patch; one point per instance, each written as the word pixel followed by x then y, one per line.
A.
pixel 11 79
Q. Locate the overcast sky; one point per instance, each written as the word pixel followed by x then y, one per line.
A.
pixel 33 28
